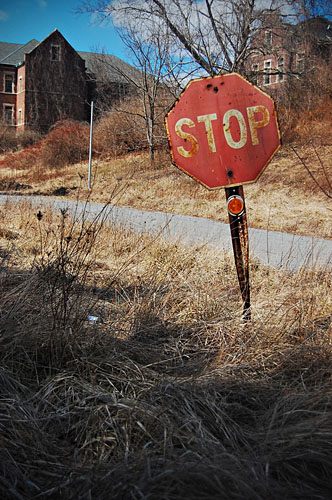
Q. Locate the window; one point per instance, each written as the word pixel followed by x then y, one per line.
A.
pixel 55 53
pixel 255 68
pixel 19 116
pixel 20 84
pixel 281 69
pixel 268 39
pixel 267 71
pixel 9 114
pixel 9 83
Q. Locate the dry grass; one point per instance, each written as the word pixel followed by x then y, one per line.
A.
pixel 285 198
pixel 168 395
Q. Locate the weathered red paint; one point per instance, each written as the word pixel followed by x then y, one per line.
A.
pixel 223 131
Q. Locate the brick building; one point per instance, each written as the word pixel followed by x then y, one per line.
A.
pixel 282 51
pixel 43 82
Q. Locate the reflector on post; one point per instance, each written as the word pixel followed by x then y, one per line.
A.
pixel 235 205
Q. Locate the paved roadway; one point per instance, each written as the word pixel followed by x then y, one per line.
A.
pixel 273 248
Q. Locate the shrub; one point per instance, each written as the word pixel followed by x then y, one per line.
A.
pixel 305 108
pixel 120 132
pixel 23 160
pixel 8 139
pixel 11 140
pixel 123 129
pixel 27 138
pixel 66 143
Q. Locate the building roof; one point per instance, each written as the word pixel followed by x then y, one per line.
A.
pixel 13 53
pixel 321 28
pixel 111 67
pixel 317 28
pixel 8 48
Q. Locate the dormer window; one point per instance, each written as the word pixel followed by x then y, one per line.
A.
pixel 55 53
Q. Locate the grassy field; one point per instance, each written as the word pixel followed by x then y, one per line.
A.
pixel 168 394
pixel 285 198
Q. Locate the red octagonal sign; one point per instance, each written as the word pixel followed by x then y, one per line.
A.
pixel 223 131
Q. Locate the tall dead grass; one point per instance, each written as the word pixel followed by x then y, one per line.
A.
pixel 167 394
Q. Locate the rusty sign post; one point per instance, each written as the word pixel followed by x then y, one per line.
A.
pixel 239 233
pixel 223 132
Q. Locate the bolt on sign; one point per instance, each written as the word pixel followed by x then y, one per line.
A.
pixel 223 132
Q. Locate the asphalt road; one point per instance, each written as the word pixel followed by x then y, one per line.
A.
pixel 273 248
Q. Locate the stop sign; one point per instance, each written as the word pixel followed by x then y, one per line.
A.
pixel 223 131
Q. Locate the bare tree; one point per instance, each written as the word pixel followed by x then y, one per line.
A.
pixel 147 79
pixel 214 35
pixel 149 54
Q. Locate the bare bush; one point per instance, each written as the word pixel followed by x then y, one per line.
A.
pixel 25 159
pixel 63 269
pixel 8 139
pixel 66 143
pixel 27 137
pixel 122 130
pixel 119 133
pixel 305 108
pixel 12 140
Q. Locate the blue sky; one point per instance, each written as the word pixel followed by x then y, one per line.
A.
pixel 22 20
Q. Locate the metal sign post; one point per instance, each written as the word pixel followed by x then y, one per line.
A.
pixel 240 241
pixel 90 146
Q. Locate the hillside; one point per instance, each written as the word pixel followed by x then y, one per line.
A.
pixel 127 370
pixel 164 392
pixel 285 198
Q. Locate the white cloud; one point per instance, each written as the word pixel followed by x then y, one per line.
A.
pixel 3 15
pixel 42 3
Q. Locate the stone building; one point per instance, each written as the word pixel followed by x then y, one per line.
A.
pixel 281 51
pixel 43 82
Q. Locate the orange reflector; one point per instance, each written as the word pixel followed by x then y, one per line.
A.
pixel 235 205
